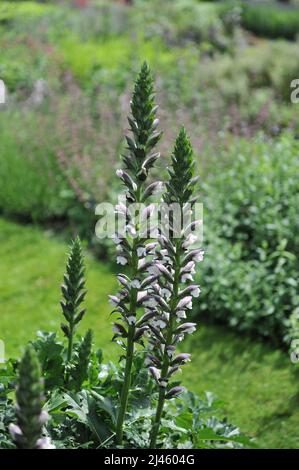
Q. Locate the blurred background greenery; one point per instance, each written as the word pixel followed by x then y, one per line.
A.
pixel 223 69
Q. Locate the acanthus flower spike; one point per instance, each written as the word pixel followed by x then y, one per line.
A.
pixel 175 264
pixel 133 248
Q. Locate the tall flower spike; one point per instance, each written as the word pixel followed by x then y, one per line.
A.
pixel 29 396
pixel 132 246
pixel 176 265
pixel 73 293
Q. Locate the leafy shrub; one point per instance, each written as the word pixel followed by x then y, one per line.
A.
pixel 272 20
pixel 252 229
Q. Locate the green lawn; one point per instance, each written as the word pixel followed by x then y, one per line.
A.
pixel 258 384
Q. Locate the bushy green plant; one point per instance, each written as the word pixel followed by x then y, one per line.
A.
pixel 252 233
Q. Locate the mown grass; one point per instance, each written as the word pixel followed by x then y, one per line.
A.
pixel 258 384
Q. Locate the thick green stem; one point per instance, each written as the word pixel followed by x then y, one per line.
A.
pixel 126 387
pixel 130 344
pixel 166 361
pixel 157 420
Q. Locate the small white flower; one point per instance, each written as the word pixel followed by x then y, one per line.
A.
pixel 131 320
pixel 195 292
pixel 181 314
pixel 165 293
pixel 141 295
pixel 160 324
pixel 135 284
pixel 150 303
pixel 189 267
pixel 43 417
pixel 163 383
pixel 170 352
pixel 121 260
pixel 141 251
pixel 156 373
pixel 15 430
pixel 186 302
pixel 199 256
pixel 119 173
pixel 190 330
pixel 114 300
pixel 153 270
pixel 190 239
pixel 187 277
pixel 44 443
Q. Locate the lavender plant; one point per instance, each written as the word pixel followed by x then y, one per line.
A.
pixel 134 247
pixel 27 433
pixel 176 264
pixel 73 294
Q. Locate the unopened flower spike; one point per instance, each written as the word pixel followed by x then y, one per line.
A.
pixel 73 294
pixel 27 432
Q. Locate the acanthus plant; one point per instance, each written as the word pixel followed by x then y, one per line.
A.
pixel 153 282
pixel 132 245
pixel 174 290
pixel 27 432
